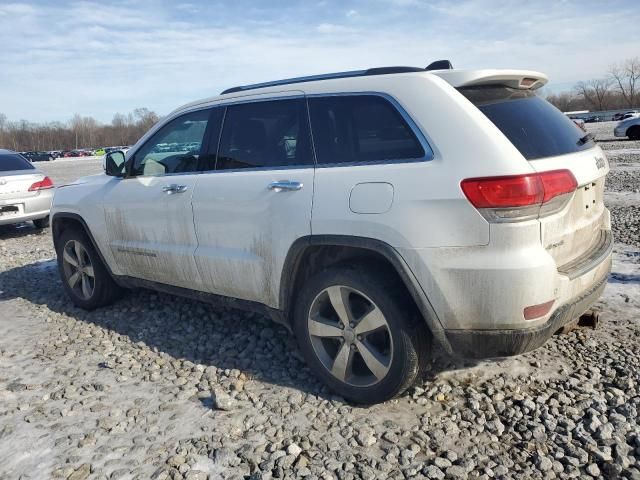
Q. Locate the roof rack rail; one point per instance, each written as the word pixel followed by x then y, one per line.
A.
pixel 326 76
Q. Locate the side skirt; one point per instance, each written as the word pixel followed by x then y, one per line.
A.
pixel 210 298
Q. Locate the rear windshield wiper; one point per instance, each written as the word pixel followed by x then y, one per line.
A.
pixel 587 138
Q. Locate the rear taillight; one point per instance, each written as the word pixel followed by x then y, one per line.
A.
pixel 43 184
pixel 520 197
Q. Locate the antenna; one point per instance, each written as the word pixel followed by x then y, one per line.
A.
pixel 440 65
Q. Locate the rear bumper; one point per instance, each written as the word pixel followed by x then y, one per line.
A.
pixel 30 208
pixel 501 343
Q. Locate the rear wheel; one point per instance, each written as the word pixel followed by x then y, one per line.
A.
pixel 84 276
pixel 41 222
pixel 634 133
pixel 359 332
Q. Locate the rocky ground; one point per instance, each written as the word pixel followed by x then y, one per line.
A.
pixel 160 387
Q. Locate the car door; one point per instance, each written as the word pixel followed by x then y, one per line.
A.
pixel 148 214
pixel 256 200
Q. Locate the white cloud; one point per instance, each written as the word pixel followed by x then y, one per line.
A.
pixel 96 59
pixel 16 9
pixel 333 28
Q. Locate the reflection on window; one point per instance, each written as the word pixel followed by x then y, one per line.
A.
pixel 175 148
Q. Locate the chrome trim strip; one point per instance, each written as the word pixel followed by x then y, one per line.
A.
pixel 590 259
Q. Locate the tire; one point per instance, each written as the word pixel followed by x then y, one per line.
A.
pixel 101 290
pixel 634 133
pixel 42 222
pixel 399 349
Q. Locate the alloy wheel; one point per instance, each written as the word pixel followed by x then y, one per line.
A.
pixel 78 269
pixel 350 336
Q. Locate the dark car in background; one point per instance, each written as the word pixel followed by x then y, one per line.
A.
pixel 37 156
pixel 593 119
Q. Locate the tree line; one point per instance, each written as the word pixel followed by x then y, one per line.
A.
pixel 618 89
pixel 80 132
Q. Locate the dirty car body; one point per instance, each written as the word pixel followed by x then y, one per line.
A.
pixel 470 193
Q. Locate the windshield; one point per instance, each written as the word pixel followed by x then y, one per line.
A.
pixel 534 126
pixel 13 161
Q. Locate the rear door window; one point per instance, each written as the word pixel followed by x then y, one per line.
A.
pixel 265 134
pixel 534 126
pixel 360 128
pixel 13 161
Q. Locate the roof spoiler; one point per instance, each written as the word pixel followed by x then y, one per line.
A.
pixel 520 79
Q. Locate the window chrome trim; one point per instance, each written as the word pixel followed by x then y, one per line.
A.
pixel 413 126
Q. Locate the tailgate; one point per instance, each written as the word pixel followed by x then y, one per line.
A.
pixel 576 230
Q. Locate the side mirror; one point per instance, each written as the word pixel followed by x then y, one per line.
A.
pixel 114 164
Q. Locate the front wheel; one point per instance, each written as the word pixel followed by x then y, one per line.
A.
pixel 359 331
pixel 84 276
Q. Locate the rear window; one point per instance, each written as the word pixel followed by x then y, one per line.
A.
pixel 13 161
pixel 534 126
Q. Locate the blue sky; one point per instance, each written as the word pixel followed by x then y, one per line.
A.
pixel 61 57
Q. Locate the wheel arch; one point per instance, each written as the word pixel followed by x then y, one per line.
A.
pixel 65 220
pixel 312 254
pixel 633 130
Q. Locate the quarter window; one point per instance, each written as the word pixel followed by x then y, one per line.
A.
pixel 360 128
pixel 175 148
pixel 265 134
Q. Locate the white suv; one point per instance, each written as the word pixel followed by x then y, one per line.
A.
pixel 372 212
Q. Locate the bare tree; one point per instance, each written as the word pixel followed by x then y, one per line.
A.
pixel 626 76
pixel 595 92
pixel 564 101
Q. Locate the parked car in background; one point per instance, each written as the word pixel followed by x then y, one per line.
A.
pixel 630 115
pixel 617 117
pixel 25 192
pixel 593 119
pixel 37 156
pixel 629 127
pixel 369 242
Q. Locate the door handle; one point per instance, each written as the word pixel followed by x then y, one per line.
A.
pixel 174 188
pixel 285 185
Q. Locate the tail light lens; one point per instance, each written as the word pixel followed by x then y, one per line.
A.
pixel 43 184
pixel 520 197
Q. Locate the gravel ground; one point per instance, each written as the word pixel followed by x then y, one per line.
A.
pixel 161 387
